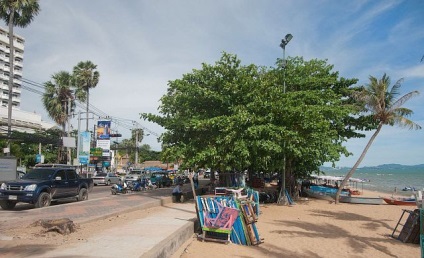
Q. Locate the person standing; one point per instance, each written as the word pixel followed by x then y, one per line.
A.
pixel 177 192
pixel 196 180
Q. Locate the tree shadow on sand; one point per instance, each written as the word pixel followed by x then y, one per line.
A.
pixel 329 231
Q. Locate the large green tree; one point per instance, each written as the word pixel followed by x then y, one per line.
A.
pixel 233 117
pixel 382 102
pixel 86 77
pixel 25 146
pixel 16 13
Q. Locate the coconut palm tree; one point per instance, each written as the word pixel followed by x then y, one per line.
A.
pixel 58 100
pixel 86 77
pixel 385 108
pixel 15 13
pixel 57 96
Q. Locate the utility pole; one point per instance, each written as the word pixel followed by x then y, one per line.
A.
pixel 68 154
pixel 282 197
pixel 136 147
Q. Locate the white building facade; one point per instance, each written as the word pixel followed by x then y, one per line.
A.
pixel 21 120
pixel 18 43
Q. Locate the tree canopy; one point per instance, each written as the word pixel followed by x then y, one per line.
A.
pixel 230 116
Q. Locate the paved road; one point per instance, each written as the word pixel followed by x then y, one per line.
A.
pixel 101 204
pixel 104 205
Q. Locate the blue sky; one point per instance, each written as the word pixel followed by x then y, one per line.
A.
pixel 141 45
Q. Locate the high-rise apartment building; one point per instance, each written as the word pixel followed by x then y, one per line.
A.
pixel 5 66
pixel 21 120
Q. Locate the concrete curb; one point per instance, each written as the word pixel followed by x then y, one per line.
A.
pixel 172 243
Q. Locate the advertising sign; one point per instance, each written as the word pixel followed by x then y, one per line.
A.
pixel 96 152
pixel 84 147
pixel 103 144
pixel 103 130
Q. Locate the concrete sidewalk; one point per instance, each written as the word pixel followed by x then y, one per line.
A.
pixel 160 234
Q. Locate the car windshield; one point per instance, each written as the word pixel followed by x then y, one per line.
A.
pixel 101 175
pixel 135 173
pixel 44 174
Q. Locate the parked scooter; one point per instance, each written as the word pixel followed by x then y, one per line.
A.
pixel 145 184
pixel 120 188
pixel 138 185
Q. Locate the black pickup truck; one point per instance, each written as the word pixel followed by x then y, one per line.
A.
pixel 42 185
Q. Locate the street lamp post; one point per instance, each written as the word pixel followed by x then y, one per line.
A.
pixel 282 198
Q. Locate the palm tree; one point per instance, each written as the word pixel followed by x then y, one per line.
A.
pixel 386 110
pixel 59 101
pixel 15 13
pixel 57 95
pixel 86 78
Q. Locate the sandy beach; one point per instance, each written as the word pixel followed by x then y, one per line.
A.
pixel 317 228
pixel 310 228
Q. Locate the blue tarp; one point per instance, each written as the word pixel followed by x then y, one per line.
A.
pixel 153 169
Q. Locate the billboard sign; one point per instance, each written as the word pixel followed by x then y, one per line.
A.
pixel 84 147
pixel 103 130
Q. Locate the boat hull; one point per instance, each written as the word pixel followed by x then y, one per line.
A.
pixel 322 192
pixel 361 200
pixel 320 195
pixel 397 201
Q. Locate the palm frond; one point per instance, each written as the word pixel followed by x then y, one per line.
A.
pixel 407 123
pixel 398 103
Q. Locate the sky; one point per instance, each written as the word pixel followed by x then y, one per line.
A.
pixel 139 46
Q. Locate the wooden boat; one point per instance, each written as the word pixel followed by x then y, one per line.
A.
pixel 361 200
pixel 400 201
pixel 320 195
pixel 323 192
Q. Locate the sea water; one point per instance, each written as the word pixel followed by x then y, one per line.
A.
pixel 388 180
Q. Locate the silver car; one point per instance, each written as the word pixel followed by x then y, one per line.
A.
pixel 134 175
pixel 106 179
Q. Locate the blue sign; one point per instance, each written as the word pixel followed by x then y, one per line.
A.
pixel 83 160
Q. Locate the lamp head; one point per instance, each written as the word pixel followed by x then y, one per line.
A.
pixel 286 40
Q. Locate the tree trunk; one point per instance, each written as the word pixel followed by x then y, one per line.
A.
pixel 63 226
pixel 349 175
pixel 88 95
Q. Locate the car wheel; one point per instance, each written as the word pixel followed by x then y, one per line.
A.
pixel 7 205
pixel 83 194
pixel 108 182
pixel 44 200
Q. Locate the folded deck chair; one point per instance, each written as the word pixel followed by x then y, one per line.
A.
pixel 225 218
pixel 222 223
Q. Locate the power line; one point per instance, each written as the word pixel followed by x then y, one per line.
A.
pixel 122 122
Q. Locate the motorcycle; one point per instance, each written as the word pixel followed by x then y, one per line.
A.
pixel 138 185
pixel 120 188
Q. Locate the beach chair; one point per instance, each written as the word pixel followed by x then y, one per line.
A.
pixel 222 223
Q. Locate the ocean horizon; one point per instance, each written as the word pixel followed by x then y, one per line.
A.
pixel 385 178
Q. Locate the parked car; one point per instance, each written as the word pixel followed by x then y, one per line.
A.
pixel 42 185
pixel 134 175
pixel 106 179
pixel 160 179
